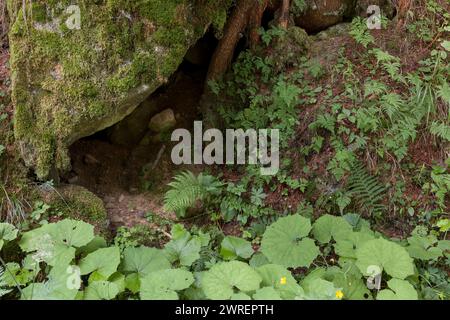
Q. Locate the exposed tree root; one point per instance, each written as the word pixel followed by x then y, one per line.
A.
pixel 246 15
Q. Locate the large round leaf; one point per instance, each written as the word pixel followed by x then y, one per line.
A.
pixel 143 260
pixel 7 233
pixel 220 282
pixel 284 242
pixel 234 247
pixel 281 280
pixel 327 227
pixel 105 261
pixel 398 290
pixel 163 284
pixel 386 255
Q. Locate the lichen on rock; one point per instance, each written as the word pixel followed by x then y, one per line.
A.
pixel 70 83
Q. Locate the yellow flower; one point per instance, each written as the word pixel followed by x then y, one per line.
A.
pixel 283 280
pixel 339 294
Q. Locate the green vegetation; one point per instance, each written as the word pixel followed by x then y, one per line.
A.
pixel 359 209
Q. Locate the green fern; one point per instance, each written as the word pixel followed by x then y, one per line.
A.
pixel 441 130
pixel 186 189
pixel 366 189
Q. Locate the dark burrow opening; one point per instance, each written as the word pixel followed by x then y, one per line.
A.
pixel 124 161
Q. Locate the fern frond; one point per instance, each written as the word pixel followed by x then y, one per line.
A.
pixel 366 189
pixel 441 130
pixel 186 189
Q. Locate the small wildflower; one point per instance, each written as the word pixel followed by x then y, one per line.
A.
pixel 339 294
pixel 283 280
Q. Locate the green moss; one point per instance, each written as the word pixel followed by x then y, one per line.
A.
pixel 68 84
pixel 76 202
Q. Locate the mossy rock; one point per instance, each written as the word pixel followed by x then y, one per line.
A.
pixel 70 83
pixel 290 48
pixel 76 202
pixel 321 14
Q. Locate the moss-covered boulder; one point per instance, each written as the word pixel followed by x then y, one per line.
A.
pixel 70 81
pixel 321 14
pixel 76 202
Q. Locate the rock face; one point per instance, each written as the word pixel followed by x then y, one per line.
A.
pixel 321 14
pixel 79 69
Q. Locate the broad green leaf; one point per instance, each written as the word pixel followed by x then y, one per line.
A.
pixel 281 280
pixel 101 290
pixel 163 284
pixel 38 238
pixel 219 282
pixel 95 244
pixel 234 247
pixel 240 296
pixel 183 247
pixel 284 242
pixel 258 260
pixel 327 227
pixel 319 289
pixel 267 293
pixel 72 233
pixel 398 290
pixel 346 245
pixel 104 261
pixel 55 243
pixel 386 255
pixel 349 278
pixel 61 255
pixel 7 233
pixel 16 275
pixel 132 282
pixel 143 260
pixel 59 286
pixel 423 247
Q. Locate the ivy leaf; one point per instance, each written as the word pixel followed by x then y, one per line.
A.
pixel 398 290
pixel 104 261
pixel 101 290
pixel 267 293
pixel 387 255
pixel 282 242
pixel 219 282
pixel 143 260
pixel 281 280
pixel 234 247
pixel 163 284
pixel 7 233
pixel 327 227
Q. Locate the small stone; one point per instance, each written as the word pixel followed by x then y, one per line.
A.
pixel 74 180
pixel 116 219
pixel 90 159
pixel 163 121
